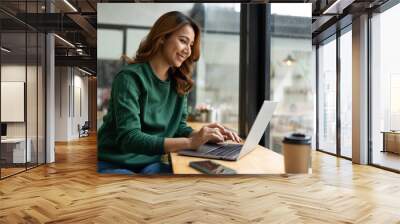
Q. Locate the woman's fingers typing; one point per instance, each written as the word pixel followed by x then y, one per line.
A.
pixel 225 132
pixel 216 135
pixel 218 126
pixel 238 139
pixel 216 138
pixel 231 137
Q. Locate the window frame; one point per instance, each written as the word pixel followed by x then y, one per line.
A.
pixel 333 37
pixel 379 10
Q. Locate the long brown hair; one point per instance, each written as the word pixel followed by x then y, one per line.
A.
pixel 162 29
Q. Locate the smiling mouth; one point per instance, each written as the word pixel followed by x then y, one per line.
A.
pixel 181 57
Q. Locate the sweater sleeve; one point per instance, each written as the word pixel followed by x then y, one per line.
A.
pixel 126 105
pixel 183 129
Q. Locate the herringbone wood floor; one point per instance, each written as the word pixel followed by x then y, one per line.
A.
pixel 70 191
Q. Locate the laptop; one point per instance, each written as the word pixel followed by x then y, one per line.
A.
pixel 233 152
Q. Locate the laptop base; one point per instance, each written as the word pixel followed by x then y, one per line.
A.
pixel 229 152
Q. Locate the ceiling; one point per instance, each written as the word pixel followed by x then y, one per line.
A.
pixel 330 15
pixel 76 22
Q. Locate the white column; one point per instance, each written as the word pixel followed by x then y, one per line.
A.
pixel 50 100
pixel 50 92
pixel 360 90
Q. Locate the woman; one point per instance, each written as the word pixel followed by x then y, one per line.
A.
pixel 147 110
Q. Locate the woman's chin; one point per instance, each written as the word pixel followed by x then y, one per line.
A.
pixel 177 64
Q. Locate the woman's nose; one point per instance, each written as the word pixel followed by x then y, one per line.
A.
pixel 187 50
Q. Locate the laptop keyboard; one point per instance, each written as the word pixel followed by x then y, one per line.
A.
pixel 226 150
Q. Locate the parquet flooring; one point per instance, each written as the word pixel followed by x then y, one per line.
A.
pixel 70 191
pixel 387 159
pixel 10 171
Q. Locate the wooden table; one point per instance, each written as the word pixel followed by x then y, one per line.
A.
pixel 260 161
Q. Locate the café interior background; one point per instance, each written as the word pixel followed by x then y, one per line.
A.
pixel 215 97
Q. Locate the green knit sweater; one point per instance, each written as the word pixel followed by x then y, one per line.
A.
pixel 143 110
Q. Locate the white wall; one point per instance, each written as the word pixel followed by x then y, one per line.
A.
pixel 33 126
pixel 13 73
pixel 70 83
pixel 61 103
pixel 80 85
pixel 17 73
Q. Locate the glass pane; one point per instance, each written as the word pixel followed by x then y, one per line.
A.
pixel 346 94
pixel 327 97
pixel 111 42
pixel 42 6
pixel 292 79
pixel 147 12
pixel 106 70
pixel 216 94
pixel 134 37
pixel 13 85
pixel 31 98
pixel 386 89
pixel 9 24
pixel 31 84
pixel 41 98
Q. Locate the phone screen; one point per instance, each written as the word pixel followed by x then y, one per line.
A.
pixel 208 165
pixel 211 167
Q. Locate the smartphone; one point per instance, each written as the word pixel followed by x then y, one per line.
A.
pixel 211 167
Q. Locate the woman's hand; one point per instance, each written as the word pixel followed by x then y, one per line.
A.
pixel 205 134
pixel 228 134
pixel 212 133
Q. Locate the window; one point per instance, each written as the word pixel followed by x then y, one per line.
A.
pixel 292 80
pixel 134 36
pixel 22 76
pixel 111 43
pixel 385 88
pixel 327 96
pixel 217 74
pixel 346 94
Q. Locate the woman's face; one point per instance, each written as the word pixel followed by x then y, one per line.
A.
pixel 178 46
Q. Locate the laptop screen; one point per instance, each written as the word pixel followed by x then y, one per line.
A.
pixel 258 128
